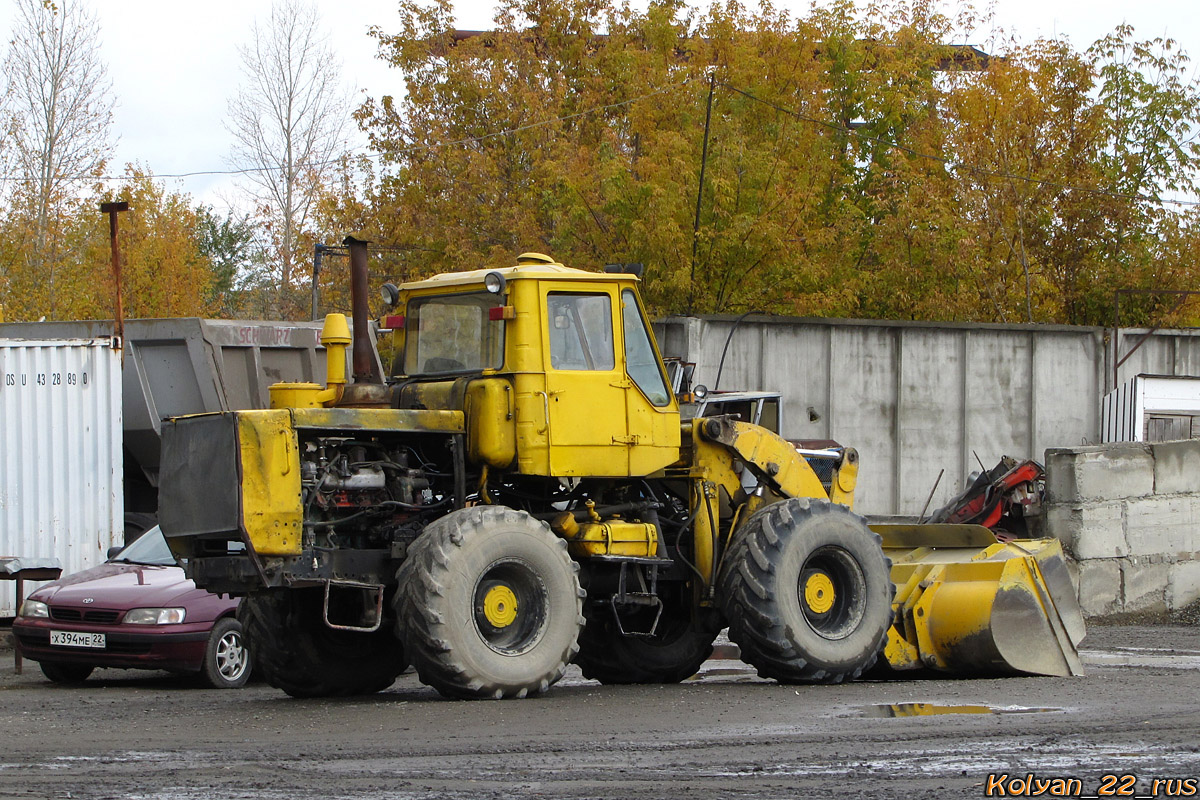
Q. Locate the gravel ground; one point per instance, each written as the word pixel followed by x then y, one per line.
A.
pixel 724 734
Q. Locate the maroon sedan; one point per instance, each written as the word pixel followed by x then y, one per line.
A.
pixel 137 610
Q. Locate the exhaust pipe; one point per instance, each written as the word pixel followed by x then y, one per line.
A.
pixel 366 370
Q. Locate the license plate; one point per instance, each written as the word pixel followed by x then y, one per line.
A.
pixel 73 639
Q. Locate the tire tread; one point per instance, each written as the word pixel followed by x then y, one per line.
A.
pixel 749 585
pixel 424 628
pixel 287 658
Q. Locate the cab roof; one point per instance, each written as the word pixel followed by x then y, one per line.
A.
pixel 529 266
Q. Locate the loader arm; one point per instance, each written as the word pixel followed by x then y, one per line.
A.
pixel 964 603
pixel 772 459
pixel 721 445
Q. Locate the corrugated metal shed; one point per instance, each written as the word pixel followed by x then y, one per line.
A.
pixel 60 452
pixel 189 365
pixel 1152 408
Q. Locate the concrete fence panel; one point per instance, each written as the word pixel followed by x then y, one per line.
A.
pixel 913 398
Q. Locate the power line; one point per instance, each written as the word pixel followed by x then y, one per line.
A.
pixel 950 162
pixel 850 131
pixel 377 156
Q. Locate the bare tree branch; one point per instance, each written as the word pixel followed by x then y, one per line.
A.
pixel 58 108
pixel 288 122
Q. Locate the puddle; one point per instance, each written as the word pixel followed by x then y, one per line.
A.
pixel 721 672
pixel 1142 657
pixel 891 710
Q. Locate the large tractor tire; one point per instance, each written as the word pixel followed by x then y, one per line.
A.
pixel 294 650
pixel 807 592
pixel 489 604
pixel 137 523
pixel 679 646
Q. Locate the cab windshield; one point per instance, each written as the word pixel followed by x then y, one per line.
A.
pixel 453 333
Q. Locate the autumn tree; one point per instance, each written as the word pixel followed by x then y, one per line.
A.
pixel 854 163
pixel 1064 164
pixel 171 250
pixel 287 122
pixel 58 111
pixel 167 271
pixel 579 129
pixel 230 244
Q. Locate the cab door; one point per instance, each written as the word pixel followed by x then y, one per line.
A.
pixel 652 414
pixel 585 382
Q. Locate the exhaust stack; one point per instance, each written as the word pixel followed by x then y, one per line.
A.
pixel 366 369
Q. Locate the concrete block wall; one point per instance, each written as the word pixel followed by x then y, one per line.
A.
pixel 1129 514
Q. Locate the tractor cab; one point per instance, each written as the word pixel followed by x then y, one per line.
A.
pixel 561 361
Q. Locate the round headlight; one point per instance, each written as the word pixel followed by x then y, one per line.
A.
pixel 390 294
pixel 494 282
pixel 700 391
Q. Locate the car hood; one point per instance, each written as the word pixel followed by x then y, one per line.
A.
pixel 117 585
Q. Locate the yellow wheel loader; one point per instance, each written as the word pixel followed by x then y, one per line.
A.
pixel 521 492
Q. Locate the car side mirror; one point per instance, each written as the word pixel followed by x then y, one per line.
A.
pixel 112 553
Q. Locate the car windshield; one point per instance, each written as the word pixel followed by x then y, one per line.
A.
pixel 150 548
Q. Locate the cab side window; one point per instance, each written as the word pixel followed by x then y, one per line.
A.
pixel 581 331
pixel 643 366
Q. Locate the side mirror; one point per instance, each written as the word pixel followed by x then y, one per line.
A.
pixel 112 553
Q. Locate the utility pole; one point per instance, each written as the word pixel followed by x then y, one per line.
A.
pixel 712 85
pixel 112 209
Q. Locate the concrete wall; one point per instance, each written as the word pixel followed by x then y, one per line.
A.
pixel 913 398
pixel 919 397
pixel 1163 352
pixel 1129 514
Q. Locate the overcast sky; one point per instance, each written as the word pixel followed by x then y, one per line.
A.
pixel 174 65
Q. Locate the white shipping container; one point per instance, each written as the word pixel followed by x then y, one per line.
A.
pixel 61 464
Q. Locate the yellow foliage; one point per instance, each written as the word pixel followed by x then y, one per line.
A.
pixel 856 164
pixel 164 273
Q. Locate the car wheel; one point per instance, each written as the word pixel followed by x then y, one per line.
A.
pixel 227 662
pixel 66 674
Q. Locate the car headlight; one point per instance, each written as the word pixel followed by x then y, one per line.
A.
pixel 154 616
pixel 34 609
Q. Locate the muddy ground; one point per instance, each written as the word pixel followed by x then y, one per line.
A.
pixel 723 734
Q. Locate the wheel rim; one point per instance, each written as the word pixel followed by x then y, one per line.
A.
pixel 231 656
pixel 819 592
pixel 832 592
pixel 510 607
pixel 500 606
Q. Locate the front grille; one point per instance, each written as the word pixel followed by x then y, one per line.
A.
pixel 824 468
pixel 98 616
